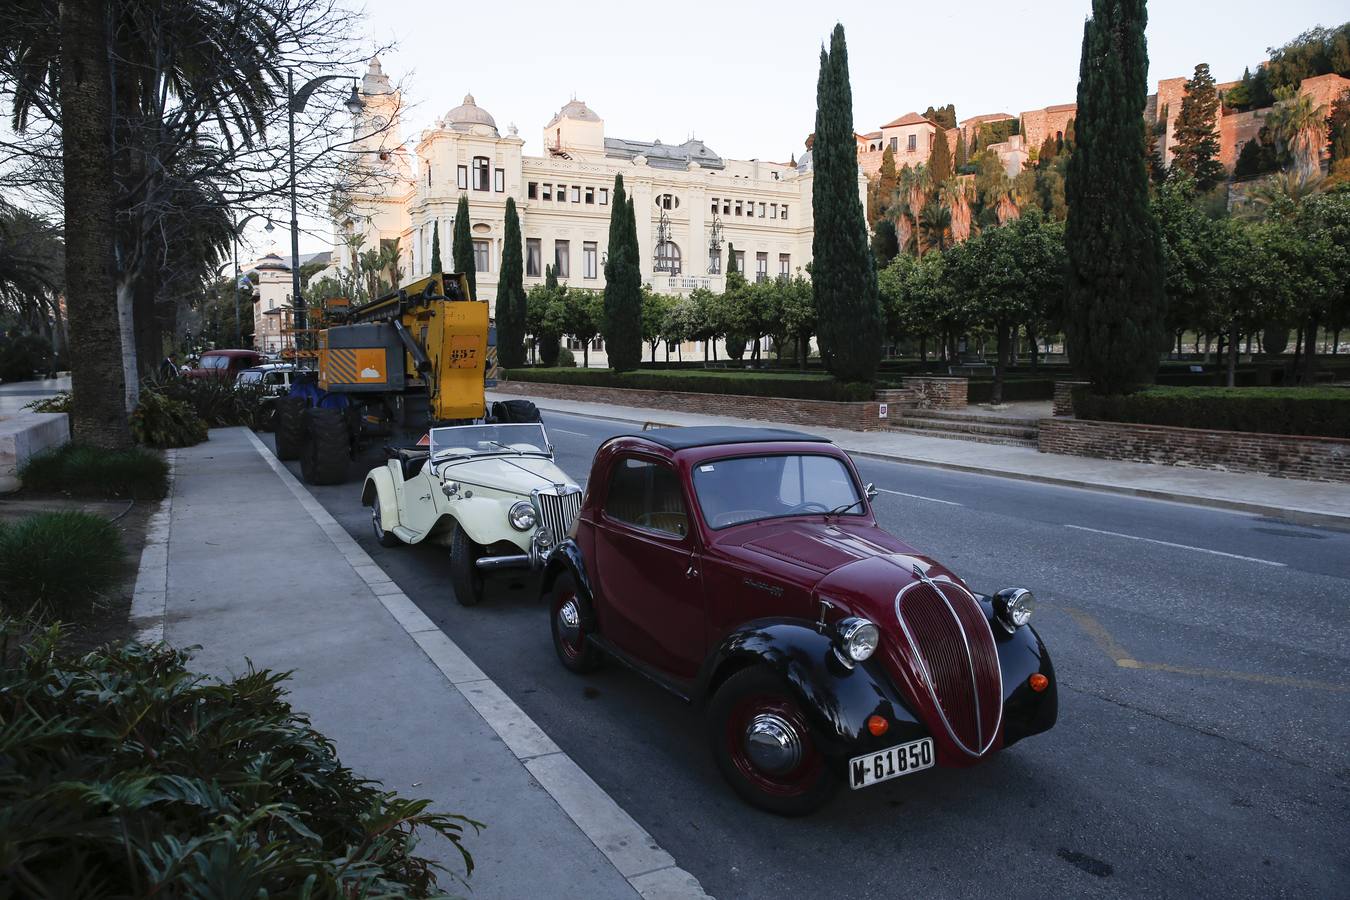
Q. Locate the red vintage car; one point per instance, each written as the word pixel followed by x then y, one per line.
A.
pixel 225 364
pixel 743 569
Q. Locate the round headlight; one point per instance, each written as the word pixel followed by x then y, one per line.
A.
pixel 860 638
pixel 1014 607
pixel 522 516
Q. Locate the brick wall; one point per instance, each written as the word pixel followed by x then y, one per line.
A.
pixel 863 416
pixel 1283 456
pixel 1064 397
pixel 936 392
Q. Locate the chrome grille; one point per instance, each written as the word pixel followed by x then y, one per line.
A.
pixel 557 511
pixel 950 638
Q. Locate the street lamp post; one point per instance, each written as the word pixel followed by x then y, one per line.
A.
pixel 239 226
pixel 295 103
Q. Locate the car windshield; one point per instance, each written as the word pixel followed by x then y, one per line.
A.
pixel 486 440
pixel 250 377
pixel 215 362
pixel 748 488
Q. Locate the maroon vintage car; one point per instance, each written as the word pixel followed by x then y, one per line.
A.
pixel 225 364
pixel 742 568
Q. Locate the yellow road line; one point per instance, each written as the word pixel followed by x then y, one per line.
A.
pixel 1122 658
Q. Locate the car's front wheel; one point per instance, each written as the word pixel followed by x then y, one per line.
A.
pixel 465 577
pixel 764 746
pixel 382 537
pixel 572 622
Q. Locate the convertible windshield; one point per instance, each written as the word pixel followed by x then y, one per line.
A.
pixel 731 491
pixel 215 362
pixel 484 440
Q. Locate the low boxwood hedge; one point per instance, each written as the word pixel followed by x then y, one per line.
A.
pixel 795 386
pixel 80 471
pixel 1014 390
pixel 1323 412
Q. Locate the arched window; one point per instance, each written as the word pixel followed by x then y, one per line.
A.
pixel 668 258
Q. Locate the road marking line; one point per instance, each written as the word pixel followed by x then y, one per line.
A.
pixel 1135 537
pixel 1121 657
pixel 920 497
pixel 565 431
pixel 647 868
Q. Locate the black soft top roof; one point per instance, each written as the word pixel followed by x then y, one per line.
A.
pixel 711 435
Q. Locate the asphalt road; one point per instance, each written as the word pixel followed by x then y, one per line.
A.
pixel 1201 748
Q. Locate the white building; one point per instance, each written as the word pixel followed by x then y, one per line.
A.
pixel 692 205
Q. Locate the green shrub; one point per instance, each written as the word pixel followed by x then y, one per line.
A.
pixel 57 404
pixel 79 471
pixel 1014 390
pixel 216 401
pixel 709 381
pixel 126 775
pixel 1321 412
pixel 53 563
pixel 566 358
pixel 24 356
pixel 159 421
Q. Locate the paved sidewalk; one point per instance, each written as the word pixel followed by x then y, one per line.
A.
pixel 1310 502
pixel 258 571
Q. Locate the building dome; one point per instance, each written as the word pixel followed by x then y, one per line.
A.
pixel 272 262
pixel 469 114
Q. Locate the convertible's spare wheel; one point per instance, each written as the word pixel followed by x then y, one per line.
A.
pixel 572 621
pixel 290 426
pixel 465 578
pixel 326 452
pixel 764 745
pixel 515 411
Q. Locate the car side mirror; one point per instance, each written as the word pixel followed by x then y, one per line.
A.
pixel 870 490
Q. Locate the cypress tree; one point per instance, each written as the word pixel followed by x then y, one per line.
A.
pixel 962 154
pixel 511 295
pixel 462 253
pixel 940 158
pixel 623 285
pixel 1197 152
pixel 843 273
pixel 436 246
pixel 1115 303
pixel 1049 149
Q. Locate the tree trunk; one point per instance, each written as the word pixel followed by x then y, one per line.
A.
pixel 1004 344
pixel 98 412
pixel 1232 354
pixel 1310 350
pixel 586 354
pixel 923 349
pixel 1035 347
pixel 1335 341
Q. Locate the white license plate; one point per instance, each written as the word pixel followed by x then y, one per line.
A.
pixel 892 762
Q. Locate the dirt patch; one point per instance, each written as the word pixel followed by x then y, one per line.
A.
pixel 105 618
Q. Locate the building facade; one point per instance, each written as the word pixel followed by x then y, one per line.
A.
pixel 692 205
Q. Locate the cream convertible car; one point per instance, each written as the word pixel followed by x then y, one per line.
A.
pixel 489 492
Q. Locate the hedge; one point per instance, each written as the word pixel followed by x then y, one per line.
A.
pixel 1014 390
pixel 80 471
pixel 1323 412
pixel 710 381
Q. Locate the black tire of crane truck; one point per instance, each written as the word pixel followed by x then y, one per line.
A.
pixel 290 427
pixel 515 411
pixel 327 452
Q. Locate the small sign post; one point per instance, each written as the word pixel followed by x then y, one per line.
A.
pixel 883 410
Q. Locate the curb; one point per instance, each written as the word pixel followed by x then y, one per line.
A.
pixel 647 868
pixel 1288 514
pixel 150 596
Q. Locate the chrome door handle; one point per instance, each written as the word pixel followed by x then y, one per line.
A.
pixel 691 572
pixel 426 496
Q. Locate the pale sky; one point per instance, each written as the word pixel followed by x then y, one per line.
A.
pixel 742 77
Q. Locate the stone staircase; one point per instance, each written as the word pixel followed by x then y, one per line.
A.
pixel 966 426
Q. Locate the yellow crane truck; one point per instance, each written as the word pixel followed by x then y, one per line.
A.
pixel 414 358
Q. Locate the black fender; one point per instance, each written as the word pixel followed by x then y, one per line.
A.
pixel 1026 712
pixel 566 557
pixel 836 699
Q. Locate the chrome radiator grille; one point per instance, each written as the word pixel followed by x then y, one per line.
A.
pixel 950 638
pixel 557 512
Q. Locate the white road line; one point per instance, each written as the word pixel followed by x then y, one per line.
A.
pixel 920 497
pixel 1135 537
pixel 565 431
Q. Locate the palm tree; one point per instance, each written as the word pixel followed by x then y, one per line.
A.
pixel 1279 194
pixel 959 194
pixel 1299 129
pixel 935 224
